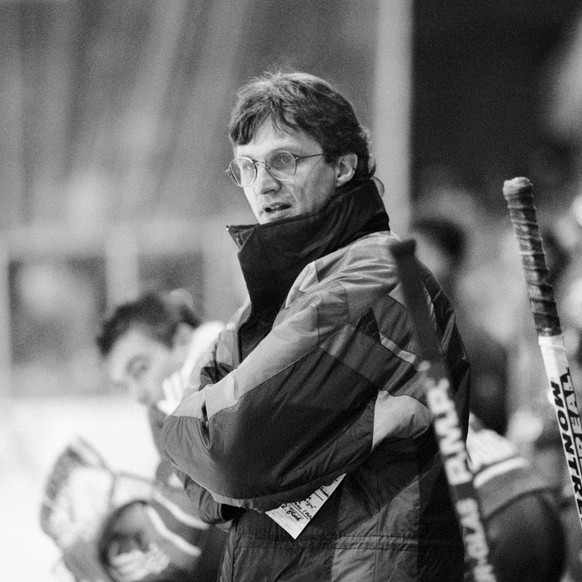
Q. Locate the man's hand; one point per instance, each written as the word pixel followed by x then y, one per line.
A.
pixel 137 544
pixel 136 564
pixel 174 386
pixel 173 389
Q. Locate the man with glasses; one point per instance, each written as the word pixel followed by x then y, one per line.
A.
pixel 307 421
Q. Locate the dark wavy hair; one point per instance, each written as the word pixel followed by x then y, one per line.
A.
pixel 157 313
pixel 300 101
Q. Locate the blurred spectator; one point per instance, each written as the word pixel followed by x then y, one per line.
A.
pixel 148 344
pixel 117 526
pixel 442 245
pixel 519 508
pixel 571 286
pixel 149 347
pixel 533 423
pixel 566 121
pixel 535 419
pixel 562 247
pixel 557 258
pixel 571 522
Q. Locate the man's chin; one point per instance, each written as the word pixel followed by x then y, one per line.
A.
pixel 276 215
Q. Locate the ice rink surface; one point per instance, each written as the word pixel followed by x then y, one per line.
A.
pixel 33 432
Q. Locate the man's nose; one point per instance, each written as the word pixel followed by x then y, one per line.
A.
pixel 265 181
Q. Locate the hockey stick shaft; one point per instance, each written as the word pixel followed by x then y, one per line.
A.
pixel 518 194
pixel 446 422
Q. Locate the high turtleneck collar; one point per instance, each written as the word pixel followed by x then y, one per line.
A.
pixel 272 255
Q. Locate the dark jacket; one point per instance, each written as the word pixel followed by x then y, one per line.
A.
pixel 316 376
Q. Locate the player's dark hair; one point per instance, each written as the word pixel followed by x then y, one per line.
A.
pixel 300 101
pixel 156 313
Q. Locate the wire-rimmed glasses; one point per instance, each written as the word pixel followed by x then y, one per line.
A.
pixel 280 164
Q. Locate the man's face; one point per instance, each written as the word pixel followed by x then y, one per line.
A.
pixel 312 186
pixel 140 364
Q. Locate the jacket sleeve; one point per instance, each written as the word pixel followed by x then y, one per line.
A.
pixel 201 501
pixel 205 507
pixel 334 376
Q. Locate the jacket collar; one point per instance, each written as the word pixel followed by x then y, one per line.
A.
pixel 272 255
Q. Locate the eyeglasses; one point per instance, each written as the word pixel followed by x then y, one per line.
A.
pixel 280 164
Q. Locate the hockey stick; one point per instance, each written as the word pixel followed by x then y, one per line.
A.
pixel 518 194
pixel 445 417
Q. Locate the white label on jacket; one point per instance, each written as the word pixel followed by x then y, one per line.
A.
pixel 293 517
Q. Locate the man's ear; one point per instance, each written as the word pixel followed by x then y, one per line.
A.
pixel 346 168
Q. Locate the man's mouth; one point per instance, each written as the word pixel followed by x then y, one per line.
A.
pixel 275 208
